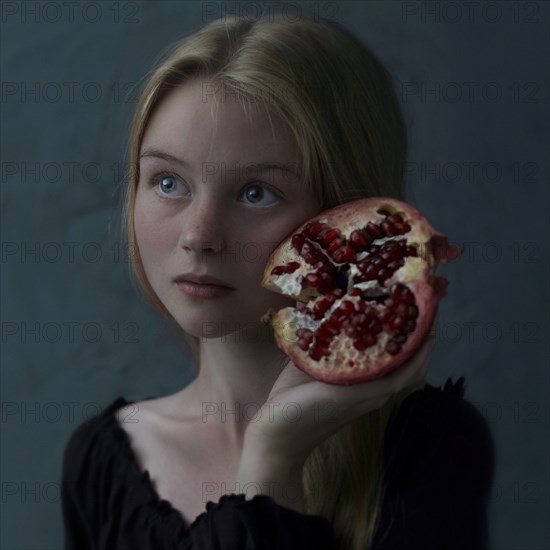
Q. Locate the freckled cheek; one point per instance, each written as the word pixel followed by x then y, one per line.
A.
pixel 151 236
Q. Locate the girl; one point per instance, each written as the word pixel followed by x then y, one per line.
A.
pixel 244 131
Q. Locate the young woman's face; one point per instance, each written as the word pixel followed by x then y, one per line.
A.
pixel 205 206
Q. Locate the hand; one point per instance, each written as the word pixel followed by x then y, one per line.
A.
pixel 301 412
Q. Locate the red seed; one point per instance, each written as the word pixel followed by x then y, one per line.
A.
pixel 344 254
pixel 289 268
pixel 392 347
pixel 410 325
pixel 351 331
pixel 368 339
pixel 412 312
pixel 303 344
pixel 374 231
pixel 402 228
pixel 383 274
pixel 327 326
pixel 359 345
pixel 363 266
pixel 313 229
pixel 327 235
pixel 395 218
pixel 335 245
pixel 395 265
pixel 390 229
pixel 298 241
pixel 398 322
pixel 360 239
pixel 375 327
pixel 399 338
pixel 320 350
pixel 320 307
pixel 402 309
pixel 396 290
pixel 346 307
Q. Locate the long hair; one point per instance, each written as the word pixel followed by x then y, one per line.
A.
pixel 340 103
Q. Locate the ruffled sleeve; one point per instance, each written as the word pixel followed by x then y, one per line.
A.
pixel 109 504
pixel 439 467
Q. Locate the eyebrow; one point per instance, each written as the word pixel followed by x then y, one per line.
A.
pixel 156 153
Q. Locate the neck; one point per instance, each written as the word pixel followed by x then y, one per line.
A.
pixel 236 374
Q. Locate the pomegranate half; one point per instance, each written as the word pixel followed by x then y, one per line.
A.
pixel 363 275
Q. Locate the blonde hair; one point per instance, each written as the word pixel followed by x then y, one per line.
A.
pixel 339 101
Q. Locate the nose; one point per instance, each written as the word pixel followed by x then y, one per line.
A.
pixel 202 228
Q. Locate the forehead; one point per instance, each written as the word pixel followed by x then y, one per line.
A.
pixel 200 126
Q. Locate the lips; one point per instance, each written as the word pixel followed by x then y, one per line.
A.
pixel 200 279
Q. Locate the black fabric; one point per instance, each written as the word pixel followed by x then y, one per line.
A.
pixel 439 461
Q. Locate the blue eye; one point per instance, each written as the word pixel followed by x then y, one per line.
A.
pixel 166 182
pixel 262 187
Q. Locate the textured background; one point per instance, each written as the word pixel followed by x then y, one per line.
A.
pixel 473 80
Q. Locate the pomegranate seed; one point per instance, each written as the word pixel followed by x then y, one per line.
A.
pixel 329 327
pixel 298 241
pixel 313 279
pixel 409 326
pixel 289 268
pixel 334 245
pixel 383 274
pixel 327 235
pixel 359 345
pixel 323 267
pixel 318 350
pixel 361 307
pixel 320 307
pixel 392 347
pixel 374 231
pixel 313 229
pixel 398 322
pixel 399 338
pixel 412 312
pixel 395 265
pixel 375 327
pixel 402 309
pixel 363 266
pixel 371 273
pixel 303 344
pixel 369 340
pixel 411 251
pixel 395 218
pixel 360 239
pixel 345 254
pixel 351 331
pixel 390 229
pixel 347 307
pixel 402 228
pixel 396 290
pixel 356 292
pixel 305 333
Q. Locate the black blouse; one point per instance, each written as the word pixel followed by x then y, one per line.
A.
pixel 439 463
